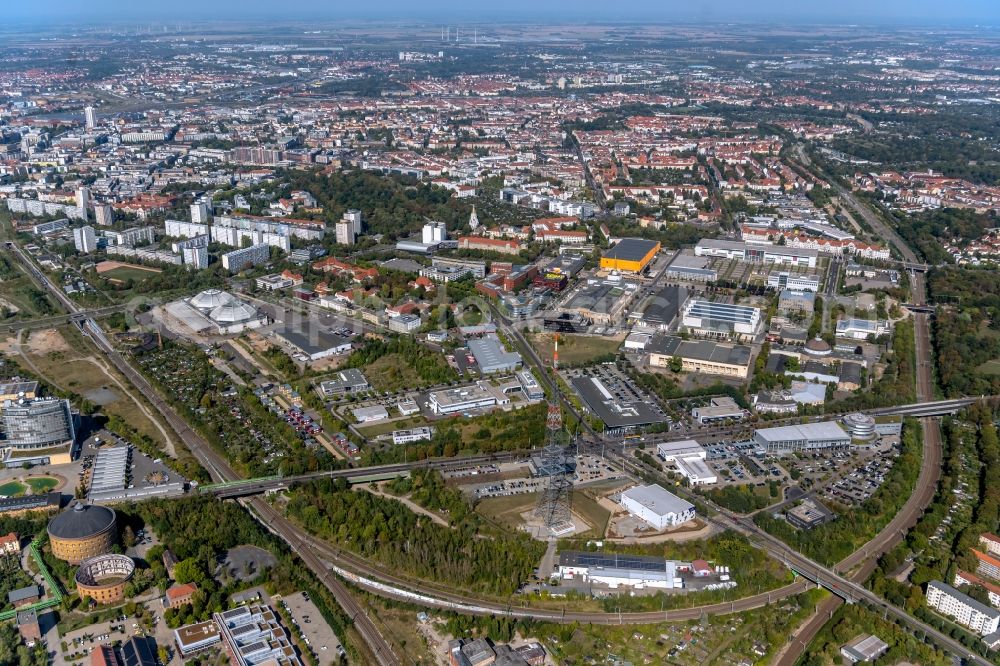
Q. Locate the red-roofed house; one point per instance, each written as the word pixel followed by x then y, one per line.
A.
pixel 179 595
pixel 10 544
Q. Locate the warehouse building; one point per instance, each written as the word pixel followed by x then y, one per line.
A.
pixel 491 357
pixel 314 344
pixel 864 648
pixel 615 570
pixel 806 436
pixel 657 506
pixel 630 255
pixel 370 414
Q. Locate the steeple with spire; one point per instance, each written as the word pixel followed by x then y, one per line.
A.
pixel 473 219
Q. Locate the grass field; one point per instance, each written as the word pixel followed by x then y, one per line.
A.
pixel 74 370
pixel 592 512
pixel 12 489
pixel 575 349
pixel 990 367
pixel 41 484
pixel 507 510
pixel 392 372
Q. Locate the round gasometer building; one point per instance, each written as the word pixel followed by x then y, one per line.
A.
pixel 83 531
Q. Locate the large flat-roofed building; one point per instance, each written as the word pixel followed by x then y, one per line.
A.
pixel 965 610
pixel 464 398
pixel 860 329
pixel 864 648
pixel 688 456
pixel 193 638
pixel 630 255
pixel 719 409
pixel 314 344
pixel 253 635
pixel 491 357
pixel 768 254
pixel 370 414
pixel 825 435
pixel 618 570
pixel 721 319
pixel 18 391
pixel 660 310
pixel 349 380
pixel 704 356
pixel 620 410
pixel 423 433
pixel 529 385
pixel 601 301
pixel 686 266
pixel 793 281
pixel 657 506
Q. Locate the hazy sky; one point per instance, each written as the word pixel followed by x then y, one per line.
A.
pixel 851 11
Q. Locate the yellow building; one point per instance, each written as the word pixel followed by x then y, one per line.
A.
pixel 630 255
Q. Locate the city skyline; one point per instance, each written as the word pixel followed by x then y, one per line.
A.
pixel 979 12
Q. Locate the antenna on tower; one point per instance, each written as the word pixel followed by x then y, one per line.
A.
pixel 555 353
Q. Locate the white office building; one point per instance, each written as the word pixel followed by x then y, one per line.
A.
pixel 464 398
pixel 793 281
pixel 420 434
pixel 860 329
pixel 89 117
pixel 721 319
pixel 255 255
pixel 84 239
pixel 657 506
pixel 965 610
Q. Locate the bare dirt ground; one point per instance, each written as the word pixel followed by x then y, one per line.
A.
pixel 47 341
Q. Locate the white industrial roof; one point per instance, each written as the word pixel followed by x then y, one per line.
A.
pixel 807 431
pixel 657 500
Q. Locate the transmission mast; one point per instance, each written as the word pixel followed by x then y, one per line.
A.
pixel 554 503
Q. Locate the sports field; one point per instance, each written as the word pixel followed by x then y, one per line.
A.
pixel 115 270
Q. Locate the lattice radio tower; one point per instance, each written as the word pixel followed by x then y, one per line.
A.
pixel 554 503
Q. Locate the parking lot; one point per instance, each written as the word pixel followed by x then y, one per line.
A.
pixel 313 630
